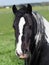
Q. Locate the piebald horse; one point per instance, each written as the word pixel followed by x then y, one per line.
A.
pixel 31 35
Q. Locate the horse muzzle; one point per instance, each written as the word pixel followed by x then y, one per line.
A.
pixel 22 56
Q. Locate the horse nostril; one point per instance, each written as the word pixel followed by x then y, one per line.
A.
pixel 26 50
pixel 17 53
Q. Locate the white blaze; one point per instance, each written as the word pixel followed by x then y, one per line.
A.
pixel 21 25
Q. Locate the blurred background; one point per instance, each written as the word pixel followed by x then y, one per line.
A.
pixel 7 39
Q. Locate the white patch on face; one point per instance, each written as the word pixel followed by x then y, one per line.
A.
pixel 46 24
pixel 21 25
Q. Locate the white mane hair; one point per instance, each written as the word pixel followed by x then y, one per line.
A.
pixel 46 24
pixel 42 27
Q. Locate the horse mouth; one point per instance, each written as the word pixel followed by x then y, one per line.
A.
pixel 23 56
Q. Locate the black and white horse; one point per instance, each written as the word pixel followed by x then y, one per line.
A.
pixel 32 36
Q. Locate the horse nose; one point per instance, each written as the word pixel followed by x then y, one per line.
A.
pixel 17 53
pixel 22 56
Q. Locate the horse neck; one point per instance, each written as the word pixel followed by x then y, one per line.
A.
pixel 34 58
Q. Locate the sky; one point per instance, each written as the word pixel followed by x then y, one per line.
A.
pixel 11 2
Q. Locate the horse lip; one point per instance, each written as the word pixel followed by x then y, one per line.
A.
pixel 23 56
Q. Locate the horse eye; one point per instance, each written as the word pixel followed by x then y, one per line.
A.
pixel 30 27
pixel 22 38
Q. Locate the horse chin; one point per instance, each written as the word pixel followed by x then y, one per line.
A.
pixel 23 56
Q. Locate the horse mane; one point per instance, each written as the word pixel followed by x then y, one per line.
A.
pixel 39 36
pixel 40 27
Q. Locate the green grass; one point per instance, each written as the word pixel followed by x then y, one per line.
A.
pixel 7 39
pixel 43 10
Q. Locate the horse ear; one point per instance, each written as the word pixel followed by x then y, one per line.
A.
pixel 14 9
pixel 29 8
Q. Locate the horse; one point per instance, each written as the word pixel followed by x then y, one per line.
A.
pixel 31 35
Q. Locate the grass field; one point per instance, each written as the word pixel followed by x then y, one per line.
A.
pixel 7 39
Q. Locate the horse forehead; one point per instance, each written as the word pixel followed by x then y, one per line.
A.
pixel 22 21
pixel 21 24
